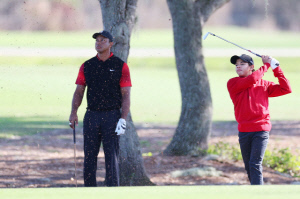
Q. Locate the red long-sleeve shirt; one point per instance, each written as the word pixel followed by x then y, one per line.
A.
pixel 250 98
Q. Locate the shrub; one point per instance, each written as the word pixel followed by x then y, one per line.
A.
pixel 225 150
pixel 281 160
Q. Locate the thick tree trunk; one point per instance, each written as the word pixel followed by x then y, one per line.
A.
pixel 194 126
pixel 119 18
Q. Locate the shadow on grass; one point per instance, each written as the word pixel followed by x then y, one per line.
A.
pixel 20 126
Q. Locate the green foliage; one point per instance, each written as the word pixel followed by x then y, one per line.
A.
pixel 225 150
pixel 282 160
pixel 149 154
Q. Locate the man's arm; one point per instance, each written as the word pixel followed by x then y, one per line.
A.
pixel 125 101
pixel 76 102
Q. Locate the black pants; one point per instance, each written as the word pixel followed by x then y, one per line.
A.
pixel 99 126
pixel 253 146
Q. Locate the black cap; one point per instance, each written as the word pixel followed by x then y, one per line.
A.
pixel 104 33
pixel 245 58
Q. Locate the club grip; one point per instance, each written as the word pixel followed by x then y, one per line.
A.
pixel 258 55
pixel 74 135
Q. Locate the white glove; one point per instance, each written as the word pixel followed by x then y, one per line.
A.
pixel 121 126
pixel 274 63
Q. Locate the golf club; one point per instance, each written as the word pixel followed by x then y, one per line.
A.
pixel 209 33
pixel 74 139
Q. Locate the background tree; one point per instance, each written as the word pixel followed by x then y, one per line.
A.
pixel 119 18
pixel 193 130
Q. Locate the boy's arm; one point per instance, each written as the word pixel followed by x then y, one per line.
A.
pixel 282 88
pixel 237 85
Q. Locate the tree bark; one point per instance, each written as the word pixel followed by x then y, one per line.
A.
pixel 193 130
pixel 119 18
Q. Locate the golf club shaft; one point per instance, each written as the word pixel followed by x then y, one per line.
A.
pixel 236 45
pixel 74 139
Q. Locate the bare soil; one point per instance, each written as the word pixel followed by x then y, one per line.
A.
pixel 47 159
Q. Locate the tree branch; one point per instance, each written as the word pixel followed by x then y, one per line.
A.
pixel 207 7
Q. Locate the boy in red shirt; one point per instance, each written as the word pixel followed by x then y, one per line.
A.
pixel 249 94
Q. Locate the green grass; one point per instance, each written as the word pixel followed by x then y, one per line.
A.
pixel 174 192
pixel 19 126
pixel 154 38
pixel 36 92
pixel 41 61
pixel 42 92
pixel 46 39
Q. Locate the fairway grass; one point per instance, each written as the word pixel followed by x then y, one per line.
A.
pixel 154 38
pixel 37 97
pixel 163 192
pixel 36 92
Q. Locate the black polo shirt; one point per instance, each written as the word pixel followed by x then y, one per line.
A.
pixel 104 81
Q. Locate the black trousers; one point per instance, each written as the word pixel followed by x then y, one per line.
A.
pixel 99 126
pixel 253 146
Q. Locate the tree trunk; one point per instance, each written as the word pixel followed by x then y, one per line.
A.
pixel 193 130
pixel 119 19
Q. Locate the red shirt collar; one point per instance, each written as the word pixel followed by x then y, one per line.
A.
pixel 111 54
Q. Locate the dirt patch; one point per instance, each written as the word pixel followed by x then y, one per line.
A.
pixel 47 159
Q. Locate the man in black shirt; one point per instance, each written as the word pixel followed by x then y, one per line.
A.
pixel 108 83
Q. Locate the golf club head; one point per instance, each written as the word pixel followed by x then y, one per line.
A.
pixel 204 37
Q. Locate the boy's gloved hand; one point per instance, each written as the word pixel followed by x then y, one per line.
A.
pixel 274 63
pixel 121 126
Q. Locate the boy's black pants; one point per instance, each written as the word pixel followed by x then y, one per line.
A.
pixel 253 146
pixel 99 126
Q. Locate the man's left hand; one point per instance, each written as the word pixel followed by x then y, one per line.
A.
pixel 121 126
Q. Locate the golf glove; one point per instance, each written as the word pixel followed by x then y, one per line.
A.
pixel 274 63
pixel 121 126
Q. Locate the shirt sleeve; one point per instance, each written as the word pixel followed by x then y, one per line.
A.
pixel 81 78
pixel 236 85
pixel 125 80
pixel 282 88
